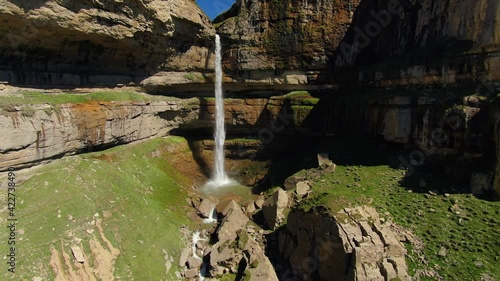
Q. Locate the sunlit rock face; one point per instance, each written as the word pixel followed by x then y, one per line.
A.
pixel 34 134
pixel 281 36
pixel 105 42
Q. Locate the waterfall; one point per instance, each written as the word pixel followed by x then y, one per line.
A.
pixel 219 176
pixel 212 218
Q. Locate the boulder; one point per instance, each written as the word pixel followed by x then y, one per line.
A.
pixel 250 208
pixel 206 206
pixel 184 256
pixel 258 263
pixel 78 254
pixel 274 207
pixel 302 188
pixel 259 202
pixel 191 273
pixel 232 222
pixel 323 159
pixel 193 262
pixel 224 206
pixel 328 168
pixel 291 182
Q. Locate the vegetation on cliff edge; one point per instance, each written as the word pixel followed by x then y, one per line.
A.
pixel 37 97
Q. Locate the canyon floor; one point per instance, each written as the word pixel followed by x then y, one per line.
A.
pixel 125 208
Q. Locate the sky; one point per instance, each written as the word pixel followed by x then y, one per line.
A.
pixel 214 8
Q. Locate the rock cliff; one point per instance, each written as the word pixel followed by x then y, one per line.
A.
pixel 427 42
pixel 280 38
pixel 87 42
pixel 35 133
pixel 423 72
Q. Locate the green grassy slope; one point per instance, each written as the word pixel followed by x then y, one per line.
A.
pixel 467 227
pixel 136 192
pixel 35 97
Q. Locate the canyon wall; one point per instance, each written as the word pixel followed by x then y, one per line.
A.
pixel 32 134
pixel 292 39
pixel 403 42
pixel 85 42
pixel 424 73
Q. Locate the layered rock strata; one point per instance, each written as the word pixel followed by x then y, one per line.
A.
pixel 31 134
pixel 106 42
pixel 403 42
pixel 292 39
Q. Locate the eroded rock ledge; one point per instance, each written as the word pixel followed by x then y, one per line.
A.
pixel 103 42
pixel 35 133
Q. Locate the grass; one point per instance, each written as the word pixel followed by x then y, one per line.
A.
pixel 34 97
pixel 135 189
pixel 302 98
pixel 195 77
pixel 297 95
pixel 467 227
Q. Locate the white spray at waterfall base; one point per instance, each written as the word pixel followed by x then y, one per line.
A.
pixel 212 218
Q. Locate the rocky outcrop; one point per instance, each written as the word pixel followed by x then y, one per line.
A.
pixel 274 208
pixel 30 134
pixel 293 110
pixel 105 42
pixel 236 251
pixel 241 255
pixel 399 43
pixel 353 244
pixel 290 40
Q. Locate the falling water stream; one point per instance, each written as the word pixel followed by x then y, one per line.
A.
pixel 219 176
pixel 220 183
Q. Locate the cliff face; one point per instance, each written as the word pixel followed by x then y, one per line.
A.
pixel 424 73
pixel 279 36
pixel 87 42
pixel 35 133
pixel 428 42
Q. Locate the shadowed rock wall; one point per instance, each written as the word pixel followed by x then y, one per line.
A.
pixel 85 42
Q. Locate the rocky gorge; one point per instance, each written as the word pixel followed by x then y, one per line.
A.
pixel 417 79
